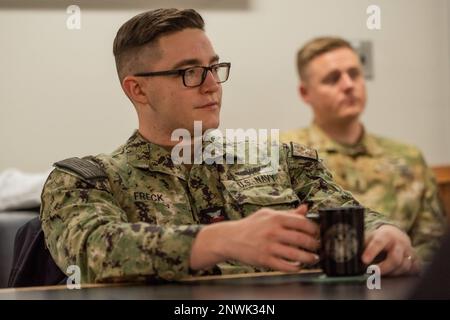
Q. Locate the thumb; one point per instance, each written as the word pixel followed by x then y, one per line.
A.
pixel 301 210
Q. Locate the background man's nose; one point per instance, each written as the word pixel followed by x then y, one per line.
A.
pixel 347 82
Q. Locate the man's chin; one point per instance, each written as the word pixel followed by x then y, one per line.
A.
pixel 351 111
pixel 210 122
pixel 207 125
pixel 347 118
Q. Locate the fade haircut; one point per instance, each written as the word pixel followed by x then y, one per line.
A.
pixel 144 30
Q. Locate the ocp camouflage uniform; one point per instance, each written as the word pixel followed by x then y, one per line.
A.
pixel 134 214
pixel 387 176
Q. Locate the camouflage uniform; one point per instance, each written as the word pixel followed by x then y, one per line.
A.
pixel 385 175
pixel 133 214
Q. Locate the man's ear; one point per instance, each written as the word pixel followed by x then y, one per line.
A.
pixel 303 91
pixel 133 87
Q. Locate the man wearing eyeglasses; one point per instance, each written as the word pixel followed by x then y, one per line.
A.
pixel 135 215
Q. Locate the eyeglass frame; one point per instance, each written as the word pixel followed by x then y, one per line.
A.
pixel 182 72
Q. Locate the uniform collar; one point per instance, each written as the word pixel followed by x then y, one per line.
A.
pixel 367 144
pixel 144 154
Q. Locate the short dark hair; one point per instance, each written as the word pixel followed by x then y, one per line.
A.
pixel 146 28
pixel 315 48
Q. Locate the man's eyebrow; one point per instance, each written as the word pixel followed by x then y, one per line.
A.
pixel 214 59
pixel 354 68
pixel 331 73
pixel 194 62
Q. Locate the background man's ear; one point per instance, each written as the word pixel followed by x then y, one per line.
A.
pixel 133 89
pixel 303 92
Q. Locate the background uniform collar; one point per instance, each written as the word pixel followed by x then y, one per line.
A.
pixel 367 144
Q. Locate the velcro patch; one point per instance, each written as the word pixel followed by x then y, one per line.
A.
pixel 83 167
pixel 300 150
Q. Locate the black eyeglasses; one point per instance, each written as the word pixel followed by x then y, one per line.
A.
pixel 195 76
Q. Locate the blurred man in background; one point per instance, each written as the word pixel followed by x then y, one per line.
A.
pixel 387 175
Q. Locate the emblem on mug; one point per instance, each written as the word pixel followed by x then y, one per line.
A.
pixel 341 242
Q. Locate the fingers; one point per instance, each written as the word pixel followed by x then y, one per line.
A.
pixel 280 240
pixel 282 265
pixel 404 268
pixel 298 239
pixel 374 246
pixel 291 255
pixel 416 265
pixel 400 257
pixel 411 264
pixel 395 262
pixel 300 223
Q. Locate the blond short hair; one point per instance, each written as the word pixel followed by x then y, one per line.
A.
pixel 315 48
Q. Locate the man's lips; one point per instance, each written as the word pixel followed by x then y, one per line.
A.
pixel 350 101
pixel 208 105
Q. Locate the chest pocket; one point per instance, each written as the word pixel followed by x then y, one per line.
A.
pixel 262 190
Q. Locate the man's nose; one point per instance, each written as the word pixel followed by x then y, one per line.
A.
pixel 210 84
pixel 347 82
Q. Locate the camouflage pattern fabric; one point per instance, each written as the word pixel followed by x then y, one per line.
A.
pixel 387 176
pixel 133 215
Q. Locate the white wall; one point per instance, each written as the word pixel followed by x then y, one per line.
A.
pixel 60 97
pixel 446 116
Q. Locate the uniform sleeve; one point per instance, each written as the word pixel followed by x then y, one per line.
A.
pixel 314 185
pixel 84 226
pixel 430 224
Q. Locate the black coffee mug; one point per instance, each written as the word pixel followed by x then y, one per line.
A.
pixel 342 240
